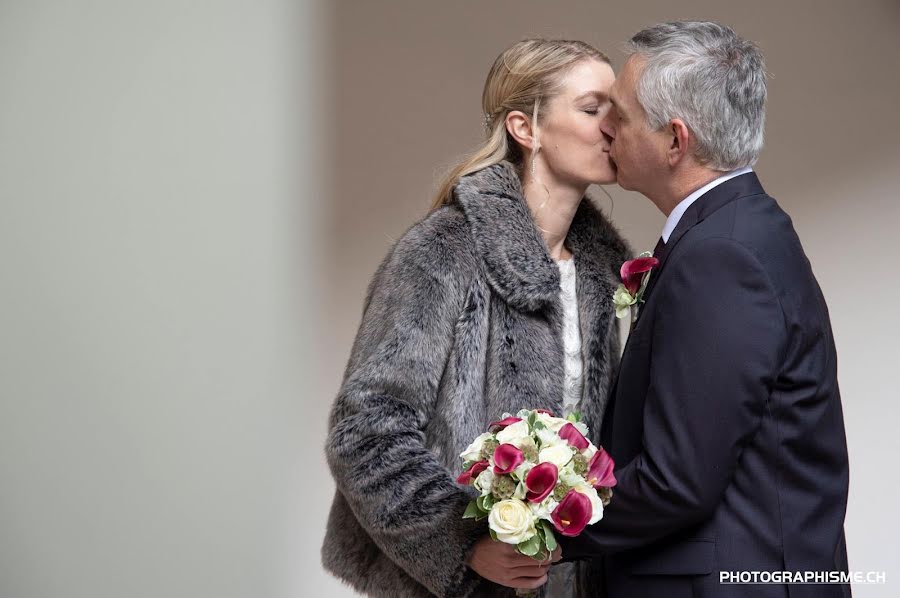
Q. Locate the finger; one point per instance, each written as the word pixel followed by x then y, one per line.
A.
pixel 521 568
pixel 516 562
pixel 527 574
pixel 517 559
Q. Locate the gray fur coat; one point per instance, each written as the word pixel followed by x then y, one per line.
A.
pixel 462 323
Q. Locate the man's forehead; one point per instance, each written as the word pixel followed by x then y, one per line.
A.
pixel 632 68
pixel 625 83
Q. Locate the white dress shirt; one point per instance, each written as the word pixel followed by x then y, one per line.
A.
pixel 685 203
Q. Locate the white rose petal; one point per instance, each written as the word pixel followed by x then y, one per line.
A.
pixel 524 443
pixel 559 455
pixel 554 424
pixel 596 503
pixel 570 478
pixel 549 438
pixel 512 521
pixel 473 451
pixel 544 509
pixel 517 432
pixel 485 481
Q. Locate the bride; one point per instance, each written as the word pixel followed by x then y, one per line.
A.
pixel 499 299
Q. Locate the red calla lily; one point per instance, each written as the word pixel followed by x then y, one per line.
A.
pixel 600 470
pixel 507 458
pixel 633 271
pixel 470 474
pixel 541 481
pixel 505 422
pixel 570 434
pixel 572 513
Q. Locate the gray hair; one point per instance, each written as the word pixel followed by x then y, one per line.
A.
pixel 713 80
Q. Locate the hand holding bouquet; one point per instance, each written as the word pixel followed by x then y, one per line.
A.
pixel 537 475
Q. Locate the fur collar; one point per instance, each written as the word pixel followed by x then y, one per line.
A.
pixel 518 264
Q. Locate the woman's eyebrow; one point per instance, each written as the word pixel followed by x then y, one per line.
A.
pixel 598 94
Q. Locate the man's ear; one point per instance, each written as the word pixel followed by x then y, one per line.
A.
pixel 519 127
pixel 680 141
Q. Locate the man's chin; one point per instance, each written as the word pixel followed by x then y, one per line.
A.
pixel 623 182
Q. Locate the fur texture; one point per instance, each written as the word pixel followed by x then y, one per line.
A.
pixel 462 322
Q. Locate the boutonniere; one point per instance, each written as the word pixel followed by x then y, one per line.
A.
pixel 635 276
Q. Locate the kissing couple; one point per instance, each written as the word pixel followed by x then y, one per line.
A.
pixel 722 413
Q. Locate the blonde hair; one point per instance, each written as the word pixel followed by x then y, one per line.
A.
pixel 523 76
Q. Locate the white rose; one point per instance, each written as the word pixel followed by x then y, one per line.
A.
pixel 581 427
pixel 570 478
pixel 485 481
pixel 514 433
pixel 549 438
pixel 554 424
pixel 544 509
pixel 524 444
pixel 596 503
pixel 559 455
pixel 473 451
pixel 512 521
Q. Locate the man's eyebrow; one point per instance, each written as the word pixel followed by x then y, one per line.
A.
pixel 615 104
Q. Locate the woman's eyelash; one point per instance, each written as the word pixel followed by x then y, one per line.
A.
pixel 593 111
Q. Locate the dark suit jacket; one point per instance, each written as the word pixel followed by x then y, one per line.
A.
pixel 726 420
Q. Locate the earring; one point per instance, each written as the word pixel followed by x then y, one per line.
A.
pixel 533 156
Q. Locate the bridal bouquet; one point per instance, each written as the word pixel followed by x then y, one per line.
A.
pixel 537 475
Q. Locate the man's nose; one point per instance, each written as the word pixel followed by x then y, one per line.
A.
pixel 609 131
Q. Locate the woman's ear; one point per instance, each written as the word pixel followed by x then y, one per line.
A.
pixel 518 125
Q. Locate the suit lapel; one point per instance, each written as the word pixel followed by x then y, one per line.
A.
pixel 711 201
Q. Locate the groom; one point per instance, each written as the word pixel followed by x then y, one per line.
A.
pixel 726 419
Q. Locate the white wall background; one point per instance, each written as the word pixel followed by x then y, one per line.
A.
pixel 157 234
pixel 193 196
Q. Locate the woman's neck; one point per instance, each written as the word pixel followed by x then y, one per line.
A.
pixel 553 208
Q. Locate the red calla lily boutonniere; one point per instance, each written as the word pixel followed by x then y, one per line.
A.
pixel 635 276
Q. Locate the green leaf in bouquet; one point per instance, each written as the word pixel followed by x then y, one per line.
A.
pixel 472 511
pixel 574 417
pixel 493 535
pixel 538 425
pixel 485 502
pixel 532 417
pixel 549 538
pixel 530 547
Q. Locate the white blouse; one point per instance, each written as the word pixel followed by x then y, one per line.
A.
pixel 571 337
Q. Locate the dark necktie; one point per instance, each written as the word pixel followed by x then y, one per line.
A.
pixel 657 251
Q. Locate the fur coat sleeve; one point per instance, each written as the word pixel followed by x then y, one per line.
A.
pixel 406 501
